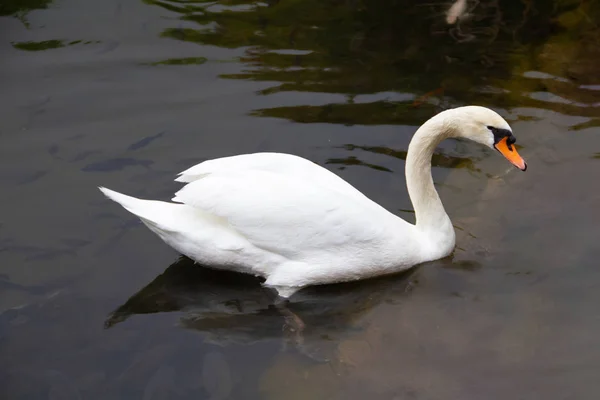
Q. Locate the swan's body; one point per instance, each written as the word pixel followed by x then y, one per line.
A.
pixel 297 224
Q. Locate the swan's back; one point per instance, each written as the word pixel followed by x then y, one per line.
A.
pixel 291 166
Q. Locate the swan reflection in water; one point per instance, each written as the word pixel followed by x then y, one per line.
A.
pixel 229 307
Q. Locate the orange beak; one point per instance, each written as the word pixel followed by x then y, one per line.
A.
pixel 510 152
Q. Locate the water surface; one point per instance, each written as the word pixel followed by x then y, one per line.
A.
pixel 127 94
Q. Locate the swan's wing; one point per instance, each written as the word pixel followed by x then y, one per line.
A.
pixel 293 167
pixel 274 162
pixel 288 217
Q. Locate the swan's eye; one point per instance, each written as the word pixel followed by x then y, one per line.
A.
pixel 500 133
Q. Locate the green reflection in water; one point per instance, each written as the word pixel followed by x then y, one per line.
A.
pixel 38 46
pixel 182 61
pixel 438 160
pixel 374 113
pixel 355 161
pixel 358 47
pixel 47 44
pixel 592 123
pixel 20 8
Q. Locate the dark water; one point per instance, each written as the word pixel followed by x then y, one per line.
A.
pixel 128 93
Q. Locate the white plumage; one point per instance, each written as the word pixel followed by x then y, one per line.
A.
pixel 297 224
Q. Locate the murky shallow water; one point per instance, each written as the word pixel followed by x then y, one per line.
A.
pixel 127 94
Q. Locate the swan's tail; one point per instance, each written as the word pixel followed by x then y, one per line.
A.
pixel 159 216
pixel 128 202
pixel 188 230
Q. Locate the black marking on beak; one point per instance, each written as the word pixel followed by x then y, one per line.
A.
pixel 500 133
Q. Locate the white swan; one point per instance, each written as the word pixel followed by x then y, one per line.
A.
pixel 297 224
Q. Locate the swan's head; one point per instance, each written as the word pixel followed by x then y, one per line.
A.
pixel 487 127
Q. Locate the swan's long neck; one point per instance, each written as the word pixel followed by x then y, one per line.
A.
pixel 431 217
